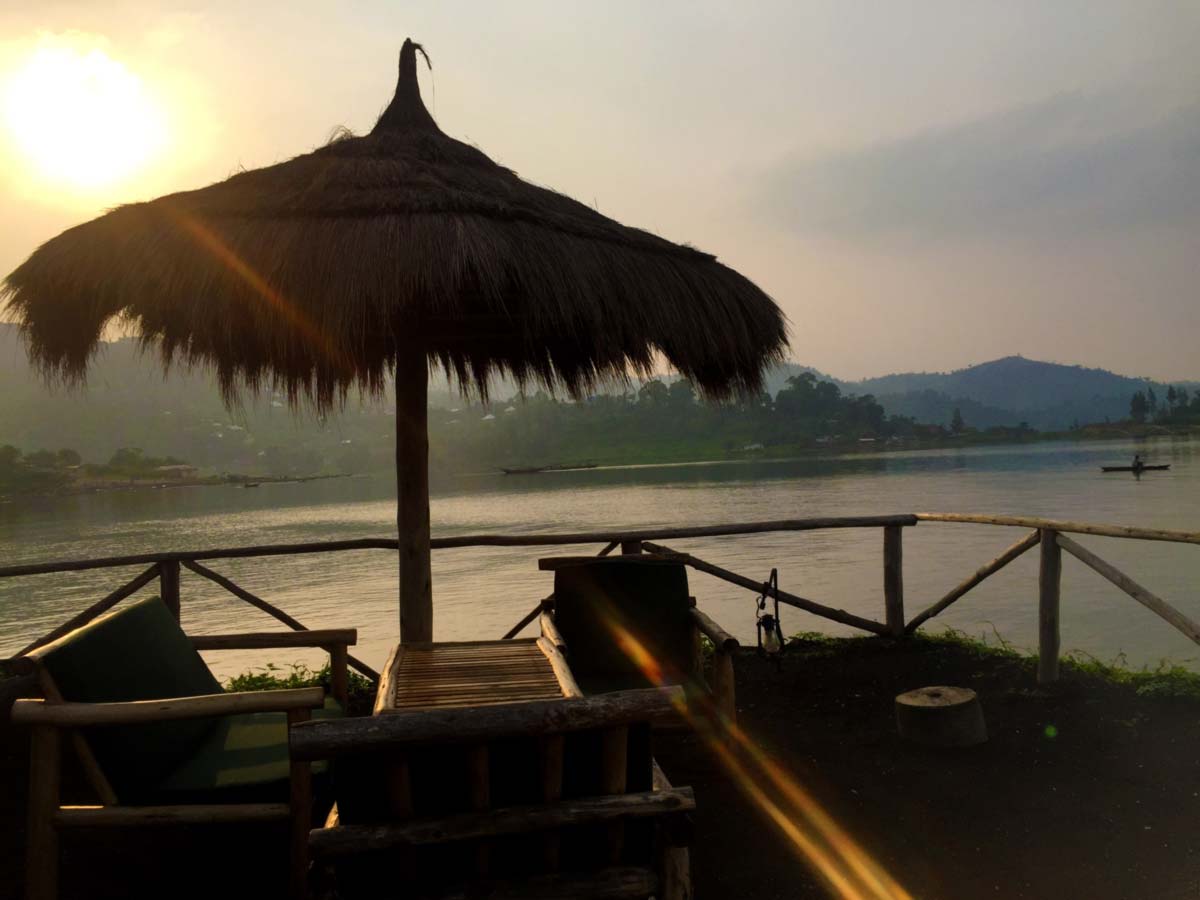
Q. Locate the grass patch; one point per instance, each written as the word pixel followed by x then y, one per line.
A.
pixel 814 644
pixel 1168 679
pixel 272 677
pixel 994 645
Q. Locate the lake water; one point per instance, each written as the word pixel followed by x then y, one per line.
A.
pixel 481 592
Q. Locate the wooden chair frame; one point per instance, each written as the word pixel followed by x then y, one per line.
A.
pixel 51 717
pixel 725 645
pixel 549 720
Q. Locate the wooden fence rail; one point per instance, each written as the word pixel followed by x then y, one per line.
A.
pixel 979 575
pixel 1048 534
pixel 168 575
pixel 1132 588
pixel 1062 525
pixel 753 584
pixel 96 609
pixel 275 612
pixel 471 540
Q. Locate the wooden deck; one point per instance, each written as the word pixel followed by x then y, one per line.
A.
pixel 443 675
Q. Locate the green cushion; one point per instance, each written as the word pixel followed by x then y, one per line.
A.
pixel 138 652
pixel 647 597
pixel 245 754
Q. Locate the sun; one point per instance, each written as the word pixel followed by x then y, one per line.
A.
pixel 81 118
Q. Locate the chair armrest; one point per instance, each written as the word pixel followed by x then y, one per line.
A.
pixel 72 715
pixel 722 640
pixel 550 631
pixel 263 640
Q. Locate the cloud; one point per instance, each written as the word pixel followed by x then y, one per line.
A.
pixel 1074 163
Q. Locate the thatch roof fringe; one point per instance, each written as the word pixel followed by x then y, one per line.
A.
pixel 317 274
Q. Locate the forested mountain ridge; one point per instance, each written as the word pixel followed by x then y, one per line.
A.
pixel 1008 391
pixel 1012 382
pixel 127 402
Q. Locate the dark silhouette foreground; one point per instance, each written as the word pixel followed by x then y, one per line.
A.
pixel 1086 790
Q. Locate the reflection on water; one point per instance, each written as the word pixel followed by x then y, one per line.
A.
pixel 480 592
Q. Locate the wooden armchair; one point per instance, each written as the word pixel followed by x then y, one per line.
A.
pixel 544 798
pixel 598 601
pixel 157 738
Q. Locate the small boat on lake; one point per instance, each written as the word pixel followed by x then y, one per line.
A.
pixel 1162 468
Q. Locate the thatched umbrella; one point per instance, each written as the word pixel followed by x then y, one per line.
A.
pixel 380 255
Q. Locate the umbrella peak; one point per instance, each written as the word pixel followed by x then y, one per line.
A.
pixel 407 110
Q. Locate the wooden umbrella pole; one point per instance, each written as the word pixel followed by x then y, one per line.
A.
pixel 412 494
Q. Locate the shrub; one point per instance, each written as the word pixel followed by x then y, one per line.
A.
pixel 272 677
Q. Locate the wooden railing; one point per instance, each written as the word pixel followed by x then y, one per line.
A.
pixel 165 567
pixel 1048 534
pixel 167 572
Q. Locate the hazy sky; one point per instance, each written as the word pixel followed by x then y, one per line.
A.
pixel 919 185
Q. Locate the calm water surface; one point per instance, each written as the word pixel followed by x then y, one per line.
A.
pixel 481 592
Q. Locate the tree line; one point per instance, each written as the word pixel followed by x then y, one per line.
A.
pixel 661 421
pixel 42 471
pixel 1178 408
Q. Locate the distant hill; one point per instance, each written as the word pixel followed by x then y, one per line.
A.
pixel 1013 382
pixel 128 403
pixel 938 409
pixel 1007 391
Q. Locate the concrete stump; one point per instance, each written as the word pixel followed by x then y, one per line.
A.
pixel 941 716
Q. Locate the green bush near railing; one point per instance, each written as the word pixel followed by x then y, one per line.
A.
pixel 297 675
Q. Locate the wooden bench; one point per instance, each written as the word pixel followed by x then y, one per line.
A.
pixel 550 797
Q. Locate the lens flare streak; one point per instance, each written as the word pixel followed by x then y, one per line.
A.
pixel 296 318
pixel 846 867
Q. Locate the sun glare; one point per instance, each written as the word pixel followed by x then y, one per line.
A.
pixel 81 118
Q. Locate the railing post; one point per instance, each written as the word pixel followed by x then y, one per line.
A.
pixel 893 579
pixel 629 548
pixel 1049 588
pixel 168 585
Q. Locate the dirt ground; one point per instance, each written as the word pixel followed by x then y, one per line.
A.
pixel 1086 790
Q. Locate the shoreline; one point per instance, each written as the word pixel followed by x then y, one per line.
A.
pixel 649 460
pixel 840 450
pixel 102 486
